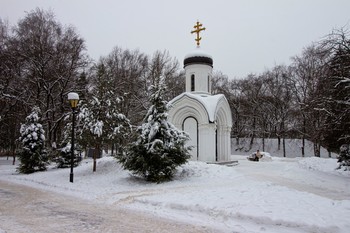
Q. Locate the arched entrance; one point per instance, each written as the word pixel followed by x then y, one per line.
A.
pixel 223 143
pixel 190 126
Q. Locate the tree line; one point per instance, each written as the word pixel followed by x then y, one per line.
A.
pixel 308 99
pixel 42 61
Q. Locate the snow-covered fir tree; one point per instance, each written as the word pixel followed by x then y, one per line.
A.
pixel 344 157
pixel 101 119
pixel 160 147
pixel 33 155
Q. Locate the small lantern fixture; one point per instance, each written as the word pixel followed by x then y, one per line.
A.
pixel 73 99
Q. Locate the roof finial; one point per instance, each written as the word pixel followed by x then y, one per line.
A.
pixel 198 28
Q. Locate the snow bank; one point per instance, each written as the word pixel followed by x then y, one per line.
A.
pixel 266 157
pixel 323 165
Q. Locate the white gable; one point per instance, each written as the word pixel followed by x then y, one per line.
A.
pixel 211 104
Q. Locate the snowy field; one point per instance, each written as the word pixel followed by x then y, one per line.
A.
pixel 277 195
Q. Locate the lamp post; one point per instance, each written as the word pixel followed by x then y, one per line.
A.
pixel 73 99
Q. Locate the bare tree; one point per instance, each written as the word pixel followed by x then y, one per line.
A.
pixel 162 64
pixel 252 90
pixel 335 86
pixel 10 93
pixel 237 104
pixel 307 72
pixel 278 102
pixel 50 59
pixel 125 72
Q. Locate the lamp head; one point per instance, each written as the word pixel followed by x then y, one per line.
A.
pixel 73 99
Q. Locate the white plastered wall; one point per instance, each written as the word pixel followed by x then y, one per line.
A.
pixel 202 77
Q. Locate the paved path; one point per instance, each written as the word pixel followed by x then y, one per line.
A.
pixel 24 209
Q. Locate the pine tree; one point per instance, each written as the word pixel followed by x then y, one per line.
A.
pixel 159 147
pixel 334 86
pixel 33 155
pixel 101 117
pixel 344 157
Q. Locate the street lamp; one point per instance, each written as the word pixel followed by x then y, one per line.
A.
pixel 73 99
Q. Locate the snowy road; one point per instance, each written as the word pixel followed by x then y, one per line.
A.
pixel 24 209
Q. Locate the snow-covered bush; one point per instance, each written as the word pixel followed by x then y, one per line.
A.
pixel 63 159
pixel 159 147
pixel 33 155
pixel 344 157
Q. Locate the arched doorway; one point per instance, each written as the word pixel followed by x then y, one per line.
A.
pixel 190 126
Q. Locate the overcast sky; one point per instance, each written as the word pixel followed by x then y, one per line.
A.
pixel 243 36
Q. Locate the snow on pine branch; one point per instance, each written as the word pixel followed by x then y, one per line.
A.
pixel 96 128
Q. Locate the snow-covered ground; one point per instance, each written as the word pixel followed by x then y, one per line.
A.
pixel 278 195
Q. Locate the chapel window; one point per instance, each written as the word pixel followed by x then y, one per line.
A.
pixel 208 83
pixel 192 82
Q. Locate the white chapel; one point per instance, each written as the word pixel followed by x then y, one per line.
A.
pixel 206 118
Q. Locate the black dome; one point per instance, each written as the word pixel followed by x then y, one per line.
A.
pixel 198 60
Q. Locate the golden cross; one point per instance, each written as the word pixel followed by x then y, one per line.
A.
pixel 198 28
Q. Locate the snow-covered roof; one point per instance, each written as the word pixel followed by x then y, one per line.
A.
pixel 198 56
pixel 210 102
pixel 73 96
pixel 198 52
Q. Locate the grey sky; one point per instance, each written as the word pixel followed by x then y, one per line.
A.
pixel 243 36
